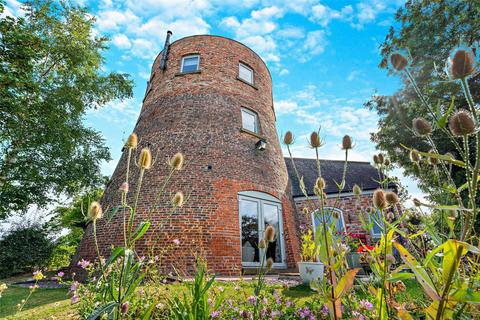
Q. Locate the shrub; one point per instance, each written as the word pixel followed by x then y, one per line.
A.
pixel 24 249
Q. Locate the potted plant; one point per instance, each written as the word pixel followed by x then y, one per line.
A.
pixel 310 269
pixel 353 256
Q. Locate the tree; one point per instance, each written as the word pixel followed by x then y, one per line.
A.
pixel 50 76
pixel 429 30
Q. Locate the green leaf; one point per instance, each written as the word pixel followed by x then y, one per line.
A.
pixel 141 229
pixel 442 121
pixel 102 309
pixel 148 312
pixel 420 273
pixel 443 157
pixel 345 283
pixel 115 253
pixel 453 251
pixel 467 295
pixel 400 276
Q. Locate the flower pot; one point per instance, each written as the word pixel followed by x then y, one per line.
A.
pixel 310 271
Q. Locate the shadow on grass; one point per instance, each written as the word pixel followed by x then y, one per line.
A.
pixel 14 295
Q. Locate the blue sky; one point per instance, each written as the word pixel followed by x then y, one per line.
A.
pixel 323 56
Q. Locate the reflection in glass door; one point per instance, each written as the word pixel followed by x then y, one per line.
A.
pixel 255 215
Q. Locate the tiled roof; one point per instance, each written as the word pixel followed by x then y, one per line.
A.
pixel 361 173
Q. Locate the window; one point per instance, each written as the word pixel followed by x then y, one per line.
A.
pixel 257 210
pixel 249 120
pixel 339 223
pixel 190 63
pixel 245 73
pixel 377 224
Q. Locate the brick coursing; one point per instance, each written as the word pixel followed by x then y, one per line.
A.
pixel 199 115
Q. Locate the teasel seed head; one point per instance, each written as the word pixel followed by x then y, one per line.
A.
pixel 346 142
pixel 461 63
pixel 357 190
pixel 421 127
pixel 178 199
pixel 270 234
pixel 132 141
pixel 379 200
pixel 432 160
pixel 305 210
pixel 262 244
pixel 392 198
pixel 414 156
pixel 288 138
pixel 320 183
pixel 145 159
pixel 315 141
pixel 417 202
pixel 462 123
pixel 95 211
pixel 381 158
pixel 398 61
pixel 176 162
pixel 376 160
pixel 390 216
pixel 269 263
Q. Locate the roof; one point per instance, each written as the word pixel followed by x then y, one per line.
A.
pixel 361 173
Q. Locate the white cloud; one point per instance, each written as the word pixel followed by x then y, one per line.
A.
pixel 323 14
pixel 114 20
pixel 13 8
pixel 354 75
pixel 313 45
pixel 284 72
pixel 117 112
pixel 285 106
pixel 121 41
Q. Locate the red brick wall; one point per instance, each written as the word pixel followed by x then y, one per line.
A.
pixel 350 205
pixel 199 115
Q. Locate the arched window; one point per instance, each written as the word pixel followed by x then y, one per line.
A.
pixel 257 210
pixel 329 216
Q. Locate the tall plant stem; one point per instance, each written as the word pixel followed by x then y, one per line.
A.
pixel 124 198
pixel 137 195
pixel 384 293
pixel 476 169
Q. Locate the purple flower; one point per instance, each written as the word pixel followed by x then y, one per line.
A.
pixel 75 299
pixel 252 299
pixel 141 259
pixel 84 264
pixel 74 286
pixel 288 303
pixel 215 314
pixel 60 274
pixel 367 305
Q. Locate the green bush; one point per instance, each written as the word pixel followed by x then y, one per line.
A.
pixel 23 250
pixel 65 247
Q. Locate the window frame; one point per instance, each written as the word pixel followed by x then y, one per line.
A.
pixel 256 120
pixel 262 198
pixel 342 219
pixel 190 56
pixel 252 82
pixel 372 233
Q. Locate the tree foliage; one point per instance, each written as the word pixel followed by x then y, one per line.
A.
pixel 50 76
pixel 428 30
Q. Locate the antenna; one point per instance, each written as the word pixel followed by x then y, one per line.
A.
pixel 166 47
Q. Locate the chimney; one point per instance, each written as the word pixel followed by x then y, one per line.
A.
pixel 166 47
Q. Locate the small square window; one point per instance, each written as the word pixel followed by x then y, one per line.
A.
pixel 190 63
pixel 249 120
pixel 245 73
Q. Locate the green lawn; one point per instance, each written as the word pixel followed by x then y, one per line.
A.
pixel 55 304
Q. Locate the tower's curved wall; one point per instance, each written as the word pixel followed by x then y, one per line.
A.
pixel 199 114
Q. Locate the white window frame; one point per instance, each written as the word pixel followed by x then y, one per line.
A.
pixel 240 65
pixel 255 115
pixel 314 227
pixel 263 198
pixel 372 232
pixel 190 56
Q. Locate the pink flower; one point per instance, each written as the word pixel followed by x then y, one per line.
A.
pixel 141 259
pixel 124 187
pixel 215 314
pixel 367 305
pixel 60 274
pixel 75 299
pixel 74 286
pixel 84 264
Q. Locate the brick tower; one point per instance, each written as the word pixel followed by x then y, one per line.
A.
pixel 210 98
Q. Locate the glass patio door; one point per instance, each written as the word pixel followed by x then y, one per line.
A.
pixel 255 215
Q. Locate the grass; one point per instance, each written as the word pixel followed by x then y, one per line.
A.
pixel 55 304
